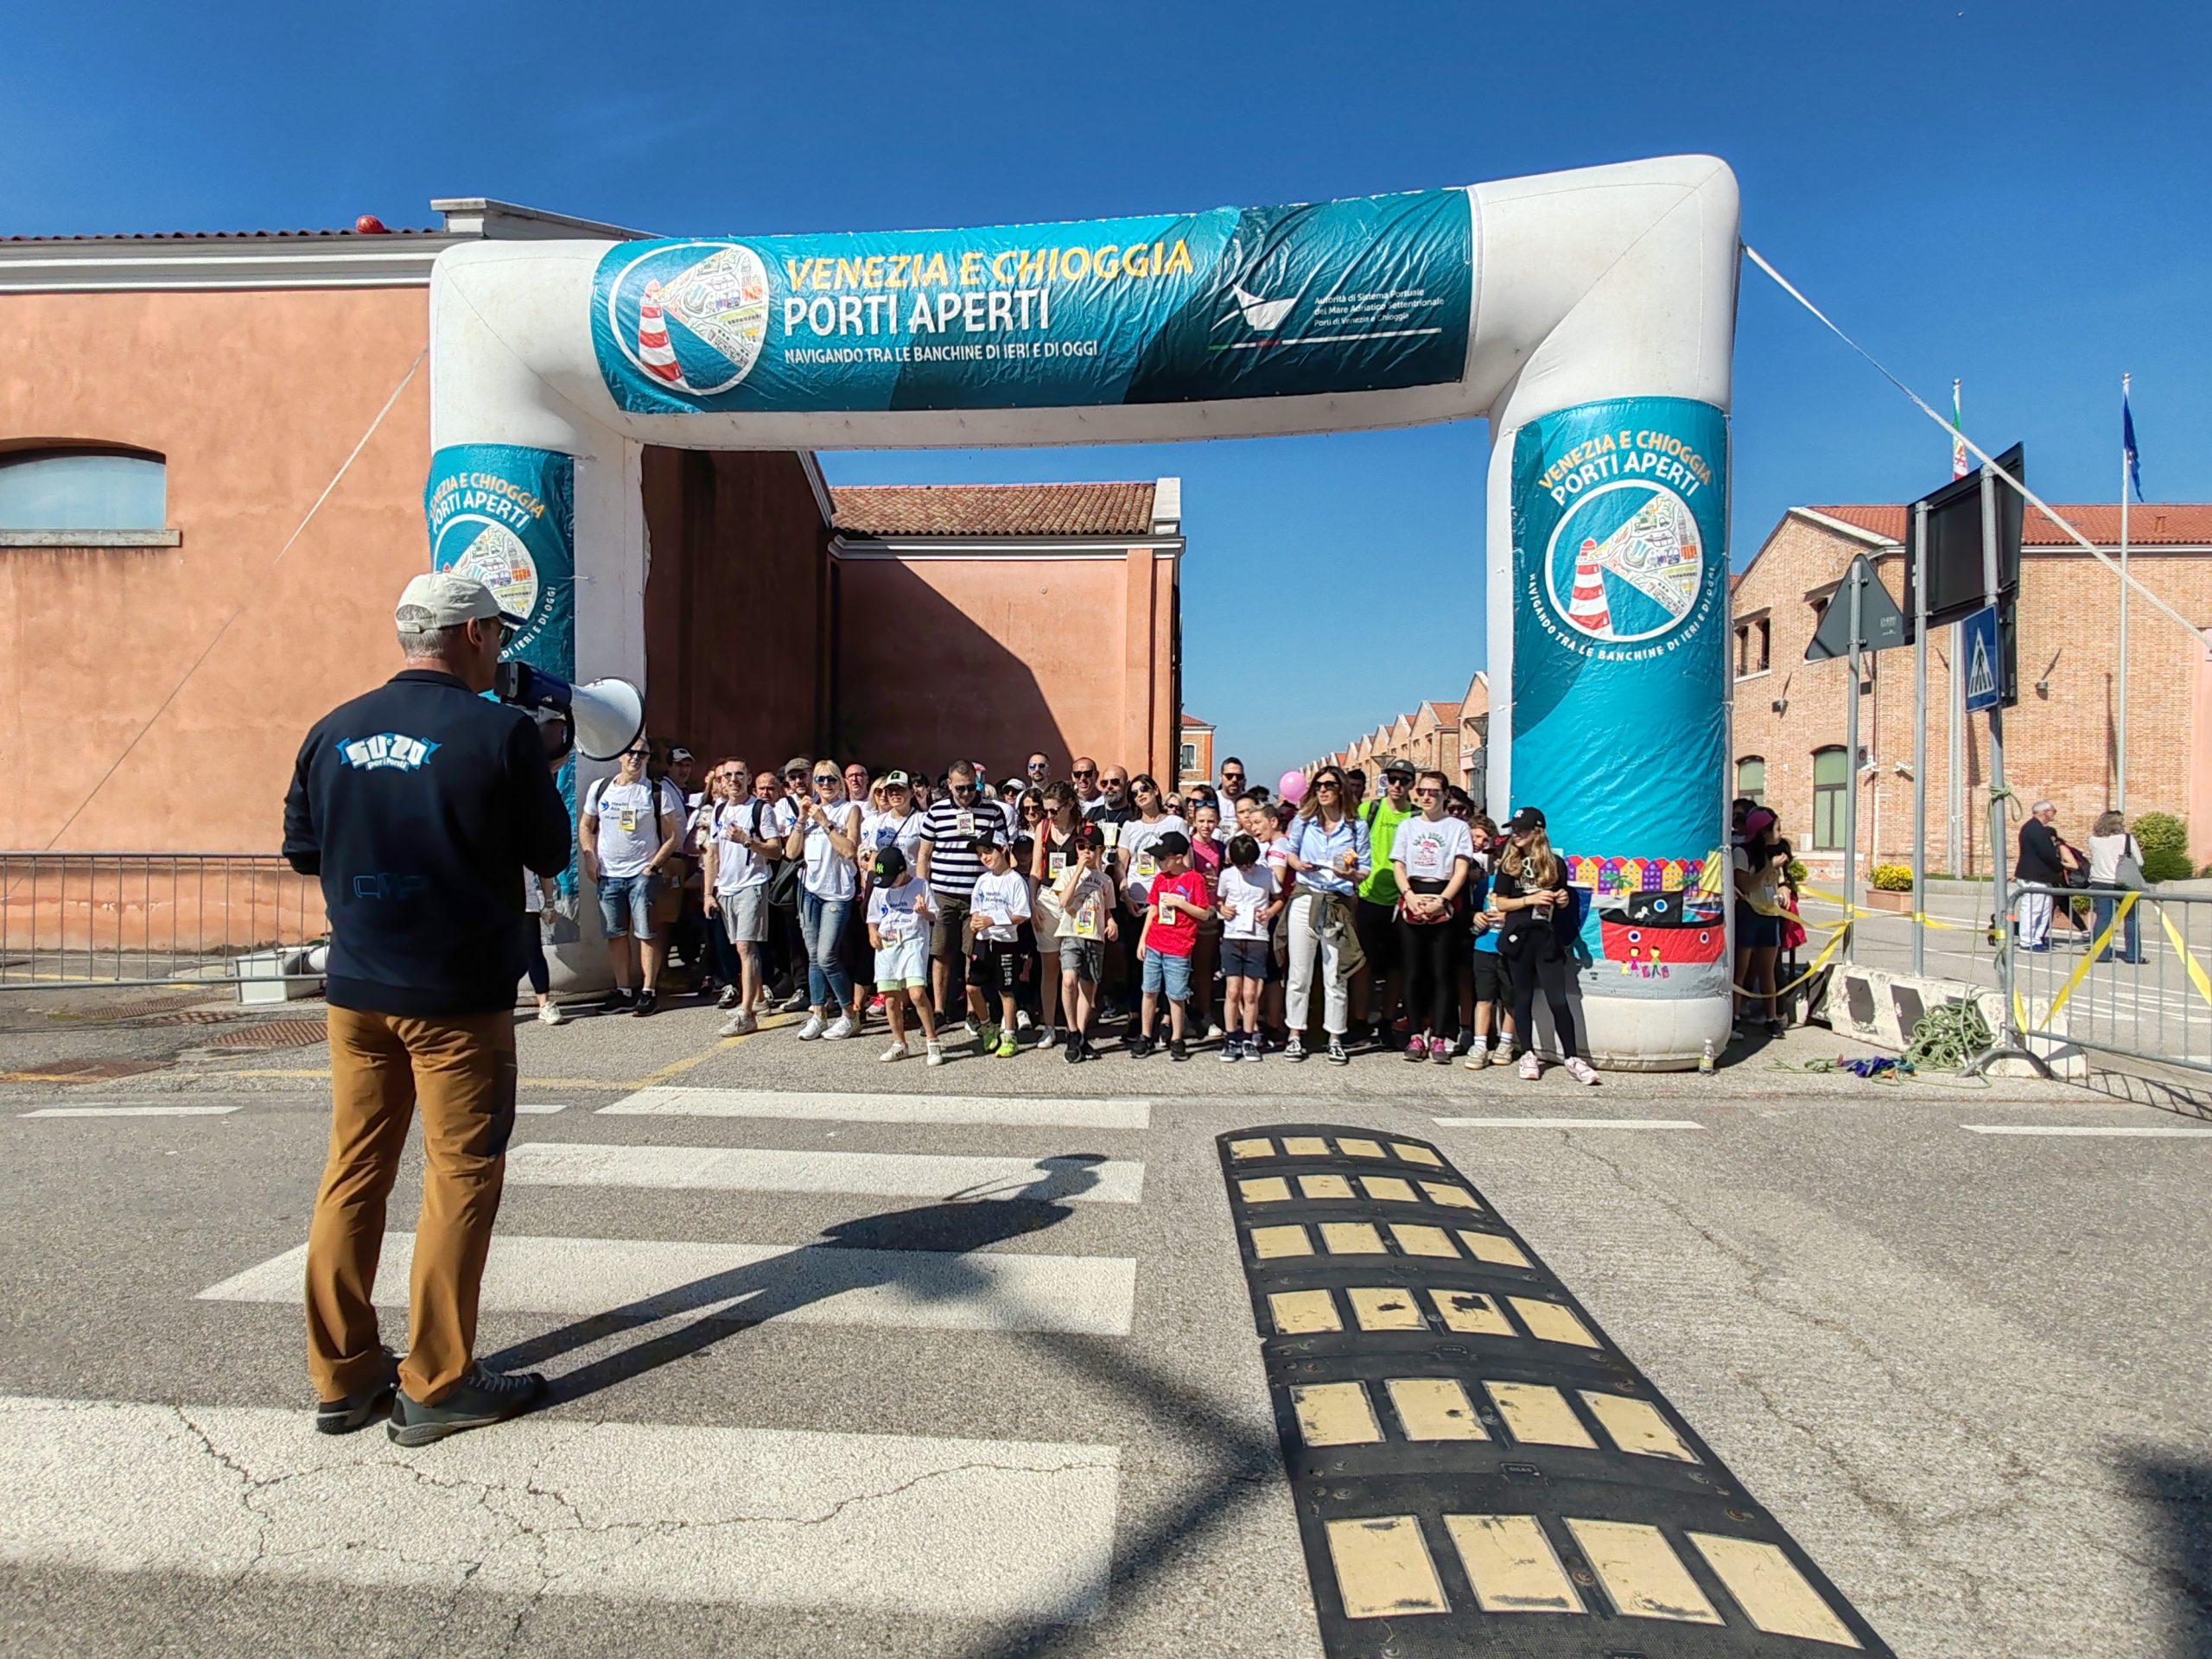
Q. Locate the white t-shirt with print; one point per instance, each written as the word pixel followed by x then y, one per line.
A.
pixel 883 830
pixel 1005 897
pixel 1137 839
pixel 737 866
pixel 1427 848
pixel 629 835
pixel 829 873
pixel 1083 895
pixel 899 913
pixel 1249 891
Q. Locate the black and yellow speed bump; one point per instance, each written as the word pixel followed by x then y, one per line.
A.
pixel 1478 1469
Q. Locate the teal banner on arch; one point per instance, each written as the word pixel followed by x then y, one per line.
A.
pixel 1620 680
pixel 507 515
pixel 1366 293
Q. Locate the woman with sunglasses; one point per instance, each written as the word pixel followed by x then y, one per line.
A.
pixel 1329 854
pixel 828 837
pixel 1432 856
pixel 1533 907
pixel 1029 817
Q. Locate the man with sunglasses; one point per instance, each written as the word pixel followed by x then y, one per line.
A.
pixel 790 939
pixel 1084 772
pixel 1232 780
pixel 949 860
pixel 1376 911
pixel 629 836
pixel 420 805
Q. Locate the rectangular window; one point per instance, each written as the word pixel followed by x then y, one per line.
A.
pixel 1743 650
pixel 1766 644
pixel 1831 778
pixel 1189 758
pixel 1750 779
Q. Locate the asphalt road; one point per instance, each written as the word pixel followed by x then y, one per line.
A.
pixel 1012 1401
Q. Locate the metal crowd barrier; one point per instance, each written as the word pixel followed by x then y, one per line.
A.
pixel 154 918
pixel 2151 1003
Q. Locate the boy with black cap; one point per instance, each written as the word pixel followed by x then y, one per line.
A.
pixel 899 911
pixel 1173 904
pixel 996 911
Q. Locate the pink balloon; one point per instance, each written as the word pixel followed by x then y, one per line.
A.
pixel 1291 786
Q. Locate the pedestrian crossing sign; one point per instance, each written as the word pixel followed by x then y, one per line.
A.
pixel 1978 649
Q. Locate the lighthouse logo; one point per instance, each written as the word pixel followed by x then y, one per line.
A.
pixel 1626 564
pixel 691 316
pixel 490 553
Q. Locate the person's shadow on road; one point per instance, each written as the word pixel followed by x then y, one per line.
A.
pixel 919 1253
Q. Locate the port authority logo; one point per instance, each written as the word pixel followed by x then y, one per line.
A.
pixel 386 752
pixel 486 551
pixel 1626 564
pixel 691 316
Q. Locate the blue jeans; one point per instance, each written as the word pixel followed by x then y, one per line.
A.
pixel 2131 942
pixel 626 905
pixel 822 924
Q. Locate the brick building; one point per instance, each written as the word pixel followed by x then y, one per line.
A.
pixel 1451 736
pixel 1194 756
pixel 2061 741
pixel 171 406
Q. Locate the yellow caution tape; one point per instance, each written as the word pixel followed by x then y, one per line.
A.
pixel 1920 915
pixel 2103 942
pixel 1834 944
pixel 2196 975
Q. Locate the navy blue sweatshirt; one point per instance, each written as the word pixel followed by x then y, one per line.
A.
pixel 418 805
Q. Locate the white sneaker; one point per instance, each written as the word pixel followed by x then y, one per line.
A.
pixel 1477 1058
pixel 896 1052
pixel 1581 1071
pixel 1503 1054
pixel 813 1027
pixel 937 1054
pixel 1531 1068
pixel 1051 1037
pixel 738 1025
pixel 840 1029
pixel 1214 1033
pixel 1021 1019
pixel 549 1013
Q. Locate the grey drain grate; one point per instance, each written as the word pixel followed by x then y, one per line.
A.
pixel 274 1033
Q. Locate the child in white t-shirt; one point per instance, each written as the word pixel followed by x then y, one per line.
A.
pixel 996 911
pixel 899 911
pixel 1084 896
pixel 1249 899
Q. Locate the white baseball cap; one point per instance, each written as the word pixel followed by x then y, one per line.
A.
pixel 441 599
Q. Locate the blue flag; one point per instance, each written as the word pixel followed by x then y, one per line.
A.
pixel 2128 444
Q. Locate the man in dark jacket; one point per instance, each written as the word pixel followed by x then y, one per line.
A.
pixel 420 805
pixel 2043 863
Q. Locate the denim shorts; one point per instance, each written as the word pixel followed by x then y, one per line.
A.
pixel 626 905
pixel 1170 974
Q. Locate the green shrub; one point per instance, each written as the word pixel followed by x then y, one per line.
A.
pixel 2164 840
pixel 1892 877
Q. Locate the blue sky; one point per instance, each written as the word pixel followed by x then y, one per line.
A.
pixel 2014 195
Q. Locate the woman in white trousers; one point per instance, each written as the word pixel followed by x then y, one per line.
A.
pixel 1329 854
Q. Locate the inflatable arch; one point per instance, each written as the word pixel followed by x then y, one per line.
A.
pixel 1588 316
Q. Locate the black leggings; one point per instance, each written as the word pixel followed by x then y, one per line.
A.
pixel 1431 952
pixel 1547 969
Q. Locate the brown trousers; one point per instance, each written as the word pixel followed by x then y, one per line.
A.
pixel 461 1070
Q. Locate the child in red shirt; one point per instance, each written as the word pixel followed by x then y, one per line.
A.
pixel 1172 909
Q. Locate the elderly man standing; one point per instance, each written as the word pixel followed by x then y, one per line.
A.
pixel 420 805
pixel 2042 861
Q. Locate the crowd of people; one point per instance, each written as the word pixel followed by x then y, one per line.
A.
pixel 1044 912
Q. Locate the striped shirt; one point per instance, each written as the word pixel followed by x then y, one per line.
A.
pixel 954 867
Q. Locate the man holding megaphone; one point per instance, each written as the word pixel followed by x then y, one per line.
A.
pixel 419 806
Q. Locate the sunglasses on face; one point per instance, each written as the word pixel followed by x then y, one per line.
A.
pixel 1429 794
pixel 823 780
pixel 1328 783
pixel 1086 772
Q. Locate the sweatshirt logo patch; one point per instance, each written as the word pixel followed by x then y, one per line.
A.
pixel 393 751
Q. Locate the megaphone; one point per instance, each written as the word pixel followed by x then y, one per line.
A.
pixel 603 718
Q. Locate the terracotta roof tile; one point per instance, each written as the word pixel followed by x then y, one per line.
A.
pixel 992 509
pixel 2157 523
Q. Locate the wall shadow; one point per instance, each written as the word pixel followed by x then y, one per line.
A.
pixel 2178 1493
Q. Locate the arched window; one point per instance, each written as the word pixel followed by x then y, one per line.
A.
pixel 80 488
pixel 1751 778
pixel 1831 778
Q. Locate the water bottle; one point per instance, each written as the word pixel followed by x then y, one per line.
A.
pixel 1705 1060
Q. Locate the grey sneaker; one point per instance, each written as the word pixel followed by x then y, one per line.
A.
pixel 483 1397
pixel 353 1411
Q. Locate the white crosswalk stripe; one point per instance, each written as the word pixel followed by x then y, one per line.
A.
pixel 883 1174
pixel 626 1512
pixel 913 1289
pixel 830 1518
pixel 666 1101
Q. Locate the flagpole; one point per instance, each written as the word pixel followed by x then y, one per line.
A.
pixel 2119 787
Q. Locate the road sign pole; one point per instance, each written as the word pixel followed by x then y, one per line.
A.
pixel 1919 736
pixel 1856 577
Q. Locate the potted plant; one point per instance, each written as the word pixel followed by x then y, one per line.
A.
pixel 1890 888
